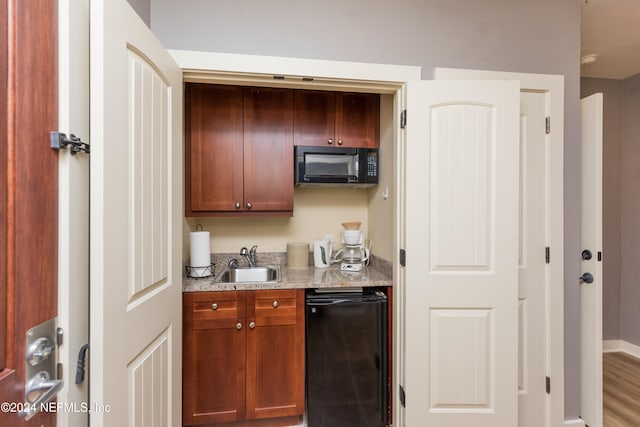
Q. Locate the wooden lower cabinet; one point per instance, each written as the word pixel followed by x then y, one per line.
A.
pixel 243 358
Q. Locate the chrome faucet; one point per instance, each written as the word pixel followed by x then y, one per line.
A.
pixel 250 255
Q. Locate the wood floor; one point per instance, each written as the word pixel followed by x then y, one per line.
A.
pixel 621 390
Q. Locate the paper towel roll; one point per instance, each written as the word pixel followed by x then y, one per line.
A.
pixel 200 248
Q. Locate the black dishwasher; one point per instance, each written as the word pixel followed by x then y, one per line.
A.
pixel 346 355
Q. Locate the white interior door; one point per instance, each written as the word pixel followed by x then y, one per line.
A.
pixel 461 274
pixel 591 237
pixel 136 211
pixel 540 277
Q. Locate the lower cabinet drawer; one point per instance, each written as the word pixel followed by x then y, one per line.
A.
pixel 213 305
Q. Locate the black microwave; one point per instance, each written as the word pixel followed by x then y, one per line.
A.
pixel 334 166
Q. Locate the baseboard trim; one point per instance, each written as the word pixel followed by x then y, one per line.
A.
pixel 609 346
pixel 576 422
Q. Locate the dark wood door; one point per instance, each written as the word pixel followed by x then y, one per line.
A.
pixel 29 188
pixel 268 149
pixel 213 148
pixel 358 119
pixel 314 115
pixel 275 354
pixel 214 357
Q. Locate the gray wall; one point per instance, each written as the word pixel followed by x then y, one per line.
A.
pixel 630 207
pixel 143 8
pixel 509 35
pixel 611 213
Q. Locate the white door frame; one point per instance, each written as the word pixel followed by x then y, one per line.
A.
pixel 553 85
pixel 224 68
pixel 73 206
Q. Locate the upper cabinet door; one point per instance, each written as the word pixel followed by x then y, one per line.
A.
pixel 214 148
pixel 314 117
pixel 337 119
pixel 357 120
pixel 268 149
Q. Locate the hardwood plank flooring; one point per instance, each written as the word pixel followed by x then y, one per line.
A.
pixel 621 390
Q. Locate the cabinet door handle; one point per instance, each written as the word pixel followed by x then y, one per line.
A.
pixel 214 306
pixel 238 205
pixel 238 325
pixel 275 304
pixel 249 205
pixel 340 141
pixel 252 325
pixel 330 141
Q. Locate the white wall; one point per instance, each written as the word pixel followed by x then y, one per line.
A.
pixel 540 36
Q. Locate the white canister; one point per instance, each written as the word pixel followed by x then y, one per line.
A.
pixel 321 253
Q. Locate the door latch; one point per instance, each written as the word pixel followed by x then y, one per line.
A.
pixel 60 141
pixel 41 368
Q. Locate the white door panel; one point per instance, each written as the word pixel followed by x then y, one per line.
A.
pixel 591 239
pixel 461 219
pixel 541 291
pixel 136 210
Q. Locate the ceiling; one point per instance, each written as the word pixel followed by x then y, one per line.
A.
pixel 611 30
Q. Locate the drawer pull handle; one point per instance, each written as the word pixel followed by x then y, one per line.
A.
pixel 214 306
pixel 238 325
pixel 275 304
pixel 252 325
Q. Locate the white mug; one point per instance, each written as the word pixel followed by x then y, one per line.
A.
pixel 321 253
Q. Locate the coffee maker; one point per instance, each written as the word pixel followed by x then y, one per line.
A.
pixel 354 254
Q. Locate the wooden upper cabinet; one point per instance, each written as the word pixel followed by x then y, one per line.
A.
pixel 268 149
pixel 340 119
pixel 314 117
pixel 238 151
pixel 358 119
pixel 214 148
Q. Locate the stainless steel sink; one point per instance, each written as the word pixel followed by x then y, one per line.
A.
pixel 268 273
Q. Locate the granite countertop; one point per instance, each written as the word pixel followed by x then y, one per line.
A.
pixel 295 278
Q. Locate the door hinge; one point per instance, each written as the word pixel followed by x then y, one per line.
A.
pixel 403 257
pixel 403 397
pixel 60 141
pixel 547 255
pixel 548 384
pixel 403 119
pixel 547 125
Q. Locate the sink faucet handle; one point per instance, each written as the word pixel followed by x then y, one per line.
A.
pixel 252 254
pixel 233 263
